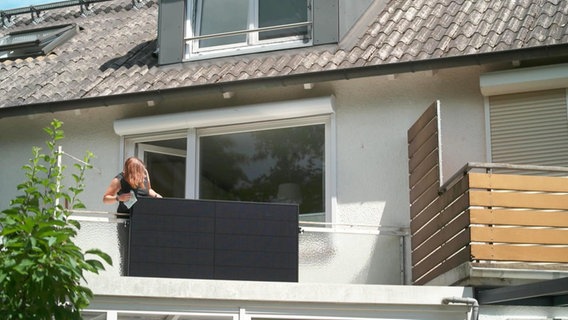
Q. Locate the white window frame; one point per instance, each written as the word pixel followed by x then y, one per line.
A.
pixel 278 124
pixel 250 45
pixel 194 124
pixel 144 147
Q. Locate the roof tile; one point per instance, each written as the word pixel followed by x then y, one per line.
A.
pixel 113 53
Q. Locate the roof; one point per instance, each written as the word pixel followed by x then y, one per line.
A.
pixel 113 53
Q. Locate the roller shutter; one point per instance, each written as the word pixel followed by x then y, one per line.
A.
pixel 530 128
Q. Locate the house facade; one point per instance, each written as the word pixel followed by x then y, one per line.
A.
pixel 313 103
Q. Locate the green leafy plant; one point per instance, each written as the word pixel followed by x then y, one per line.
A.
pixel 41 269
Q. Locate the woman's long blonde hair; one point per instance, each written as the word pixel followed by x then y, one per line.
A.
pixel 135 173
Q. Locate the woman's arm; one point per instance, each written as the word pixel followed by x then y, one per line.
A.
pixel 111 192
pixel 154 194
pixel 151 192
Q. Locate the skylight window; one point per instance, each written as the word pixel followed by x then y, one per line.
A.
pixel 35 42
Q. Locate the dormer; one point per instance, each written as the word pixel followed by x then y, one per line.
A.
pixel 201 29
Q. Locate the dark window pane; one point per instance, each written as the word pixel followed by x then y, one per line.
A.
pixel 218 16
pixel 167 174
pixel 279 165
pixel 278 12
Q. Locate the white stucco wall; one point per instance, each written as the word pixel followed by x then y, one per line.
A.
pixel 85 130
pixel 372 119
pixel 373 116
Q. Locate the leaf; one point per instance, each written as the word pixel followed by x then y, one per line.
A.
pixel 101 254
pixel 51 241
pixel 95 264
pixel 24 266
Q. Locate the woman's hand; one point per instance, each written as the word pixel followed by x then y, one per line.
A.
pixel 123 197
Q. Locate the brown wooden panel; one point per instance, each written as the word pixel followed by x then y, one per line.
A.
pixel 425 149
pixel 443 200
pixel 426 199
pixel 442 253
pixel 429 180
pixel 421 249
pixel 460 257
pixel 430 113
pixel 519 235
pixel 518 182
pixel 417 176
pixel 519 253
pixel 423 219
pixel 424 167
pixel 431 129
pixel 519 200
pixel 520 217
pixel 422 231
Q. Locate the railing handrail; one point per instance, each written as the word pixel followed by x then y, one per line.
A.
pixel 354 228
pixel 91 215
pixel 238 32
pixel 488 166
pixel 48 6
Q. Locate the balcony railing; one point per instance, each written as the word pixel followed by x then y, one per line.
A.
pixel 496 220
pixel 327 253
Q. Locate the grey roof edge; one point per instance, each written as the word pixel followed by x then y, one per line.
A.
pixel 540 52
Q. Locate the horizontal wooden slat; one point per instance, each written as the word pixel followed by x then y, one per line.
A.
pixel 430 162
pixel 443 200
pixel 519 200
pixel 431 129
pixel 460 257
pixel 518 182
pixel 535 218
pixel 519 235
pixel 422 231
pixel 423 151
pixel 442 253
pixel 519 253
pixel 421 249
pixel 426 199
pixel 431 179
pixel 426 117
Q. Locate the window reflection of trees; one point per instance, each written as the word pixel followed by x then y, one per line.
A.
pixel 221 169
pixel 251 166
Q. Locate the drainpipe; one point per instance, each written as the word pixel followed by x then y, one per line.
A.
pixel 468 301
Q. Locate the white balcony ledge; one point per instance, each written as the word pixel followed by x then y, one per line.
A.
pixel 275 299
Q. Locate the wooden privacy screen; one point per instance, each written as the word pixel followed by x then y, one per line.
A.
pixel 200 239
pixel 482 217
pixel 518 218
pixel 425 219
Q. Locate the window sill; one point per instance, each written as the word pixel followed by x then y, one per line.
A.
pixel 229 52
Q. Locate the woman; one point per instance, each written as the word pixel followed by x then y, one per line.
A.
pixel 134 178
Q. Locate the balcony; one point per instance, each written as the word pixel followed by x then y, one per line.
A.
pixel 492 221
pixel 325 253
pixel 490 224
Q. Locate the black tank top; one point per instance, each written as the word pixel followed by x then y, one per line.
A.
pixel 126 188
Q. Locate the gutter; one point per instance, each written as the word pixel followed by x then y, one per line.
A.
pixel 551 51
pixel 468 301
